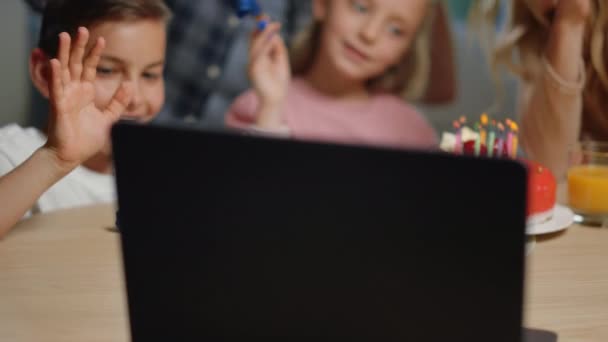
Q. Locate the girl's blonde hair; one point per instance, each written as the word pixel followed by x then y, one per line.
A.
pixel 409 79
pixel 521 49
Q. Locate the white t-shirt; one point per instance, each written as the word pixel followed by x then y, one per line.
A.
pixel 81 187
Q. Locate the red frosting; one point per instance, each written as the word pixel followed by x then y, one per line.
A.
pixel 542 188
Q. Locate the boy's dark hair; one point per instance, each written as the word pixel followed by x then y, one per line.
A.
pixel 67 15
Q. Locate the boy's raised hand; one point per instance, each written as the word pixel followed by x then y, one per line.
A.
pixel 77 128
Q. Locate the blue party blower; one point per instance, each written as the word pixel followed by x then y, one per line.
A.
pixel 251 8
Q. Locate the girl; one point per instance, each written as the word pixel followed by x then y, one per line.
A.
pixel 563 62
pixel 351 68
pixel 112 70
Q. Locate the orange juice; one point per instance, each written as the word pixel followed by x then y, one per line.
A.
pixel 588 188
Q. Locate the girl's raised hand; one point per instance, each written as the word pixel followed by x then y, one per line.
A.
pixel 269 69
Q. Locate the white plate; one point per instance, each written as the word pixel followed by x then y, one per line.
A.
pixel 562 218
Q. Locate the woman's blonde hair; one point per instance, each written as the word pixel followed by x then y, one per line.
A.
pixel 409 79
pixel 521 48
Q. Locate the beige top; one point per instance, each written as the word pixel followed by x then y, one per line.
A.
pixel 551 115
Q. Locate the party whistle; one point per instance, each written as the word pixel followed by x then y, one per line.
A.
pixel 252 8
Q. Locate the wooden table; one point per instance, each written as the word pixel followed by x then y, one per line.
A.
pixel 61 280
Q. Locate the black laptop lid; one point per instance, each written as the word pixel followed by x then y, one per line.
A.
pixel 231 237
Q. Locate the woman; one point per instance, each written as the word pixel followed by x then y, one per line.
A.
pixel 562 60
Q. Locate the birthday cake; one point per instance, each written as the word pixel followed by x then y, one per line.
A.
pixel 542 189
pixel 492 139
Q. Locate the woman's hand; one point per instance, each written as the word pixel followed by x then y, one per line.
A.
pixel 573 11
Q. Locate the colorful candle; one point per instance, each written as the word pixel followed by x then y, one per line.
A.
pixel 482 128
pixel 501 139
pixel 514 140
pixel 510 137
pixel 458 144
pixel 477 141
pixel 491 139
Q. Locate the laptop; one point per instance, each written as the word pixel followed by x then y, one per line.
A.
pixel 228 236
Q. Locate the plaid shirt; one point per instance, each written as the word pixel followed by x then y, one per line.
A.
pixel 207 54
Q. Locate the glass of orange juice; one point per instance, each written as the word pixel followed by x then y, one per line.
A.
pixel 588 183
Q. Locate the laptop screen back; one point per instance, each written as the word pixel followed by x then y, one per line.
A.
pixel 231 237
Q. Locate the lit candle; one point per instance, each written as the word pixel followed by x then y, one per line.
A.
pixel 482 129
pixel 463 121
pixel 477 141
pixel 514 140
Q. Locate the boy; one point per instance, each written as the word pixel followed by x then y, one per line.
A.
pixel 111 70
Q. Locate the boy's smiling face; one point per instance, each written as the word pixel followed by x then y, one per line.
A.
pixel 134 52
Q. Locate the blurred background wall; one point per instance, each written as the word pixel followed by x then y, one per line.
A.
pixel 14 80
pixel 476 91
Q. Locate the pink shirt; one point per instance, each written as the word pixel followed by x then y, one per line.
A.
pixel 383 120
